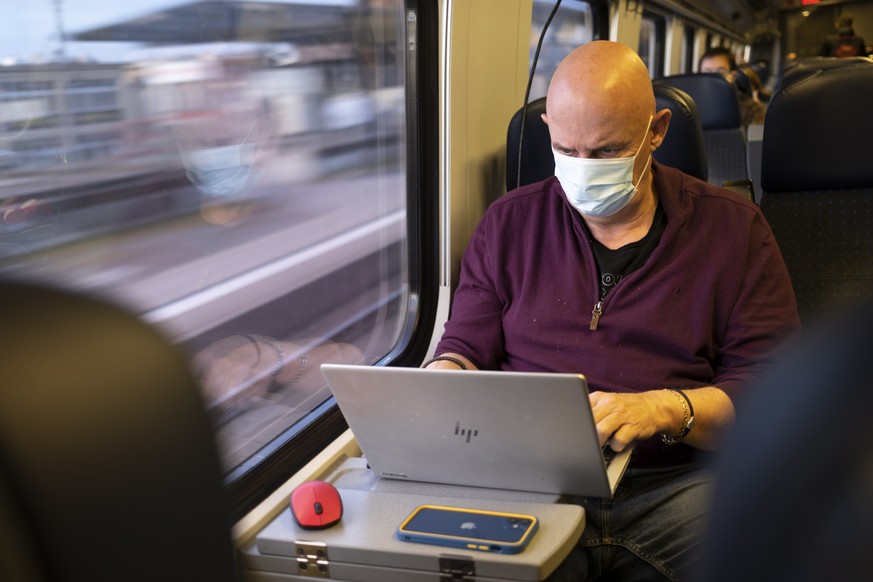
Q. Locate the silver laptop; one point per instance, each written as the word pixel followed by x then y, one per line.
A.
pixel 504 430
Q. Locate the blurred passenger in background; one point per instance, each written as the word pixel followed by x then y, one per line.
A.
pixel 845 43
pixel 721 60
pixel 718 59
pixel 752 95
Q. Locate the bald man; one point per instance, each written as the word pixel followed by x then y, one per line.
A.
pixel 667 293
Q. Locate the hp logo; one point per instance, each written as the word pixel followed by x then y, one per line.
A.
pixel 467 433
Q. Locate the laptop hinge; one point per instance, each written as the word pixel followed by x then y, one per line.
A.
pixel 456 568
pixel 312 559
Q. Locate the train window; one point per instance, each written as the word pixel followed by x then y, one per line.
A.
pixel 572 26
pixel 237 173
pixel 688 49
pixel 652 42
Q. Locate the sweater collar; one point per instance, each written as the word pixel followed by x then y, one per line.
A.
pixel 669 186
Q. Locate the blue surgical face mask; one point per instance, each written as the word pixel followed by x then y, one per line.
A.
pixel 597 187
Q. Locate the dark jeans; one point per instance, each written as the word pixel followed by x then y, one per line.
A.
pixel 650 530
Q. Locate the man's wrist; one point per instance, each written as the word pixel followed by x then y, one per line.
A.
pixel 687 417
pixel 456 361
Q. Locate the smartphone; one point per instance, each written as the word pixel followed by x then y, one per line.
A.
pixel 473 529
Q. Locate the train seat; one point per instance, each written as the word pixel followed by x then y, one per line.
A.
pixel 817 185
pixel 807 494
pixel 803 67
pixel 530 159
pixel 108 469
pixel 682 148
pixel 723 134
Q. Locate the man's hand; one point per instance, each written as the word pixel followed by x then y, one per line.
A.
pixel 624 418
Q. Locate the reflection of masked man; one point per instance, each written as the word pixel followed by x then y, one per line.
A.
pixel 222 172
pixel 227 174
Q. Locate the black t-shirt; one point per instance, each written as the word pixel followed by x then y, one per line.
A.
pixel 614 264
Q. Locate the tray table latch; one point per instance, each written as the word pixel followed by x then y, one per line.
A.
pixel 456 568
pixel 312 559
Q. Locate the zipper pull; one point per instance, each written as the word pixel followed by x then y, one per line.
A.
pixel 595 316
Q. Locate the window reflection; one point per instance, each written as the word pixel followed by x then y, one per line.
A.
pixel 227 169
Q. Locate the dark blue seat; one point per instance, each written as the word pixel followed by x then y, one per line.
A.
pixel 791 502
pixel 805 66
pixel 530 160
pixel 723 133
pixel 108 469
pixel 818 186
pixel 683 147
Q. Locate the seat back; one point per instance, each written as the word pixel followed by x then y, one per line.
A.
pixel 790 502
pixel 723 134
pixel 108 470
pixel 682 148
pixel 530 159
pixel 818 185
pixel 803 67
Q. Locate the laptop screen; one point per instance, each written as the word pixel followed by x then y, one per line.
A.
pixel 506 430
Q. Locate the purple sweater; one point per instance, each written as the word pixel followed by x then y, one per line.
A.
pixel 711 303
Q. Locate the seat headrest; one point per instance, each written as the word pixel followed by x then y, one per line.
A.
pixel 715 97
pixel 537 161
pixel 817 132
pixel 683 147
pixel 800 69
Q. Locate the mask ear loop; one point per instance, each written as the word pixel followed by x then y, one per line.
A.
pixel 261 129
pixel 648 161
pixel 258 138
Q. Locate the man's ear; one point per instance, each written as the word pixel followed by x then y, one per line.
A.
pixel 660 124
pixel 544 118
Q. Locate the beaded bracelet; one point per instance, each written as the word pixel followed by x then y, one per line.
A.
pixel 280 358
pixel 451 359
pixel 300 356
pixel 302 360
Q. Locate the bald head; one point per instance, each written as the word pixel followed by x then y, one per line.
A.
pixel 606 79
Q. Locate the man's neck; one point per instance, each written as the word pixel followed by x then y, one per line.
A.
pixel 630 224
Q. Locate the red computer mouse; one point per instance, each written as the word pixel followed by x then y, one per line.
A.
pixel 316 505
